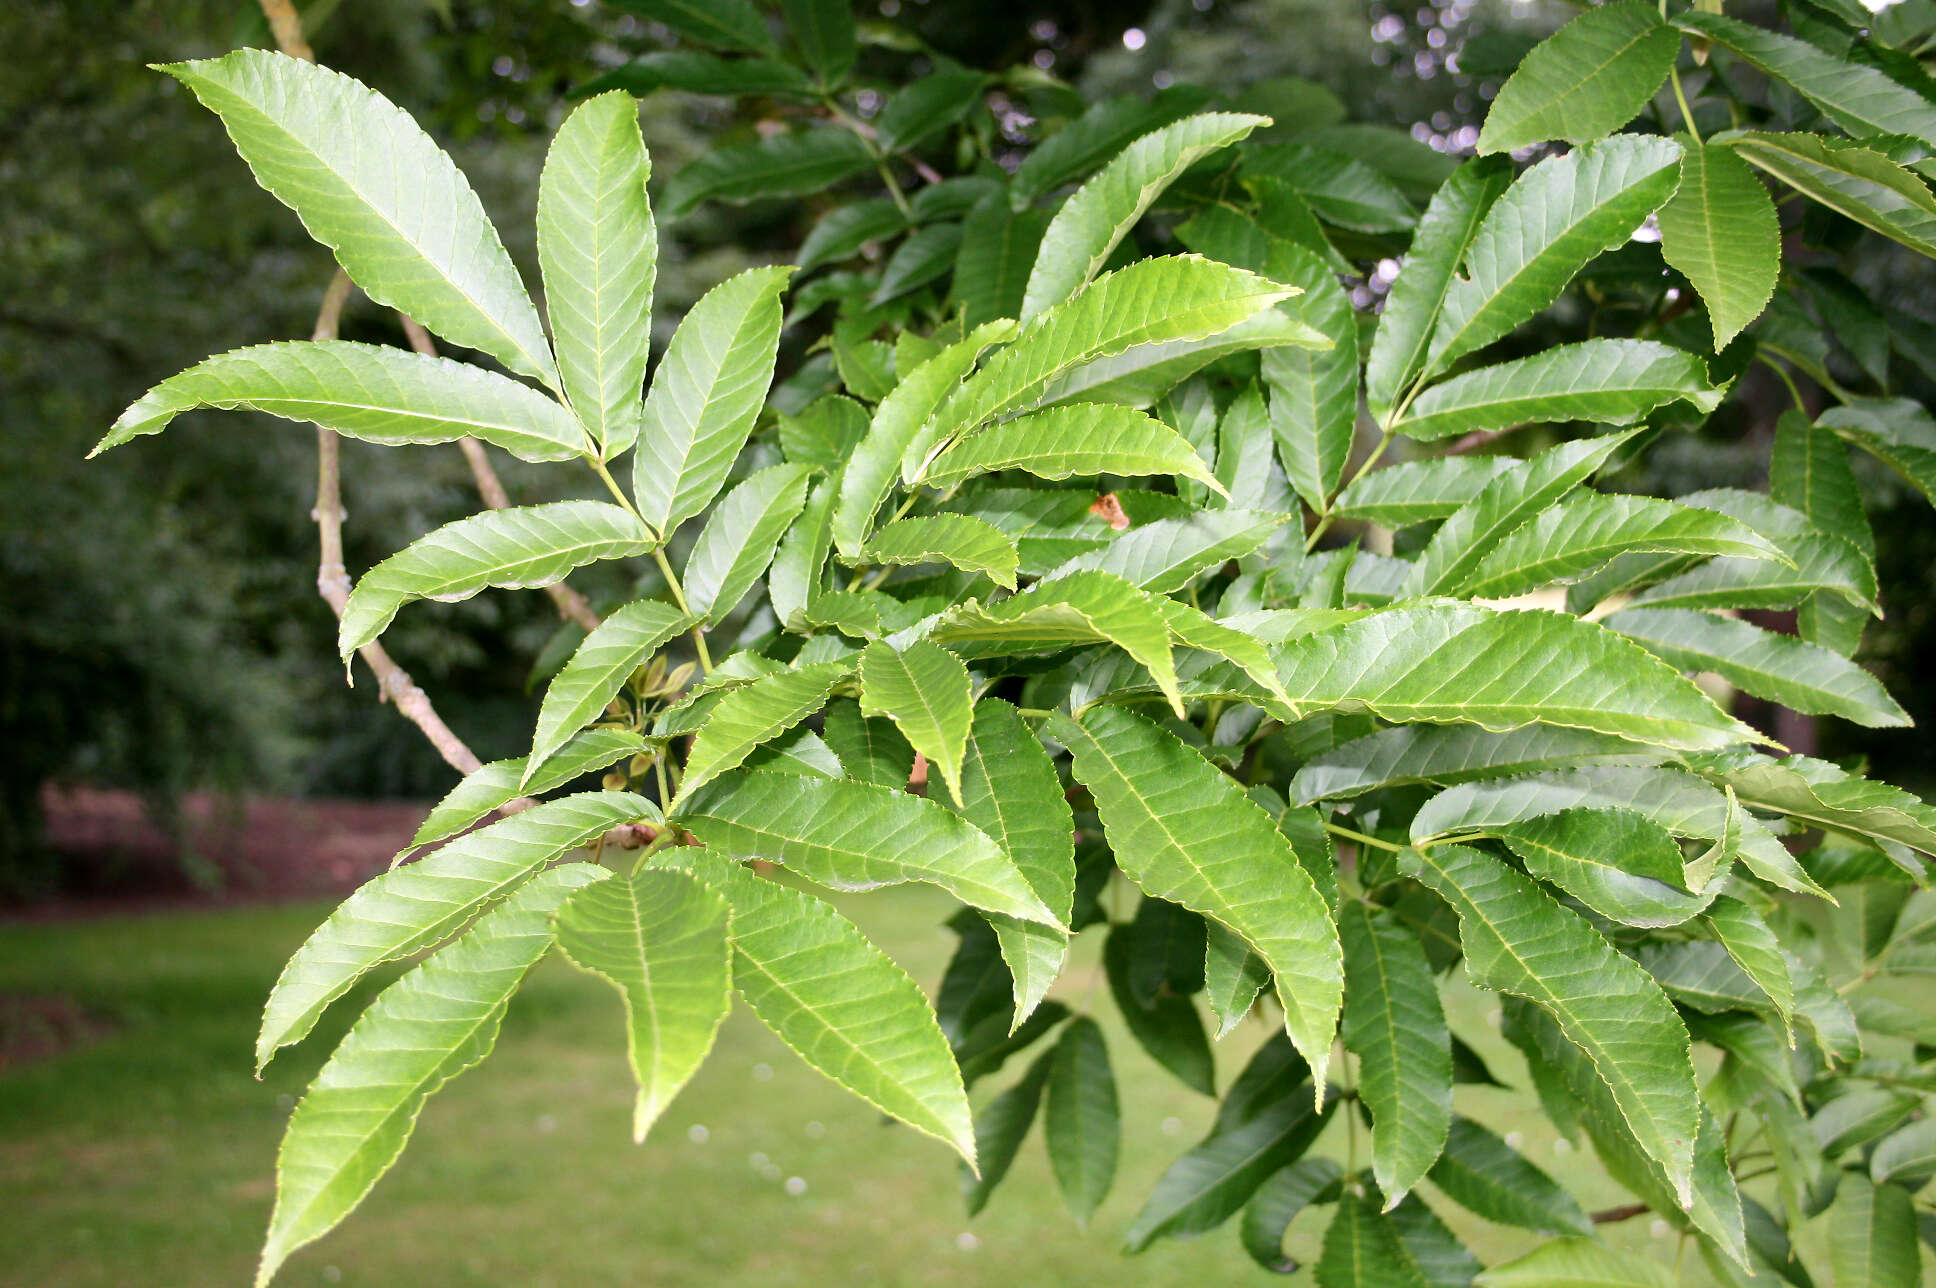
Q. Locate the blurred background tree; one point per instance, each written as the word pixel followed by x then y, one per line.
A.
pixel 161 630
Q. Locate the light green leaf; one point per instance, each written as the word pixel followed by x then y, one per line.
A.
pixel 1821 564
pixel 1487 1176
pixel 841 1003
pixel 1233 976
pixel 1313 392
pixel 925 690
pixel 1083 1126
pixel 1754 948
pixel 599 252
pixel 1780 668
pixel 1584 533
pixel 1338 187
pixel 1089 224
pixel 1166 555
pixel 970 544
pixel 1082 439
pixel 851 835
pixel 1614 382
pixel 723 24
pixel 660 939
pixel 739 539
pixel 365 391
pixel 1823 794
pixel 1152 301
pixel 1585 81
pixel 795 577
pixel 1446 663
pixel 1719 230
pixel 823 30
pixel 419 904
pixel 893 436
pixel 791 164
pixel 998 247
pixel 1554 218
pixel 1142 375
pixel 705 394
pixel 530 545
pixel 431 1025
pixel 501 781
pixel 1445 754
pixel 1086 142
pixel 1010 790
pixel 1907 1155
pixel 1614 861
pixel 1518 940
pixel 871 751
pixel 1576 1263
pixel 1277 1203
pixel 1184 832
pixel 577 695
pixel 1453 557
pixel 1851 180
pixel 1899 432
pixel 752 714
pixel 699 73
pixel 1431 266
pixel 1246 457
pixel 1000 1129
pixel 372 186
pixel 1419 491
pixel 923 108
pixel 1395 1025
pixel 1809 471
pixel 1872 1235
pixel 1361 1250
pixel 1863 100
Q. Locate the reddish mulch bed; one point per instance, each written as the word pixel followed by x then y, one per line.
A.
pixel 116 860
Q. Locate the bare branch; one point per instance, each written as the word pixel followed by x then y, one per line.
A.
pixel 286 24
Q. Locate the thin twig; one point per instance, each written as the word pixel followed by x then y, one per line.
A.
pixel 572 606
pixel 286 25
pixel 1607 1216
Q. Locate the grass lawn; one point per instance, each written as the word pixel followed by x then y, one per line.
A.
pixel 148 1155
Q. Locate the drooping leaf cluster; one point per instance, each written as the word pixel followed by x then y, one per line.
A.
pixel 1103 540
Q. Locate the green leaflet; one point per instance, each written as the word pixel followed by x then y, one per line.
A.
pixel 1907 1155
pixel 1448 754
pixel 1865 101
pixel 705 394
pixel 927 254
pixel 697 73
pixel 1233 976
pixel 1872 1235
pixel 1084 438
pixel 1362 1248
pixel 1576 1263
pixel 998 246
pixel 1000 1128
pixel 412 907
pixel 1083 1125
pixel 1896 431
pixel 970 544
pixel 1245 463
pixel 1431 265
pixel 499 782
pixel 851 835
pixel 599 251
pixel 1313 392
pixel 1754 948
pixel 1395 1025
pixel 871 751
pixel 790 164
pixel 824 433
pixel 843 232
pixel 896 431
pixel 1850 179
pixel 1614 861
pixel 1452 558
pixel 920 110
pixel 1429 1246
pixel 1085 143
pixel 795 580
pixel 1398 496
pixel 1184 832
pixel 524 546
pixel 366 391
pixel 753 713
pixel 1089 224
pixel 369 184
pixel 1582 534
pixel 1584 81
pixel 1517 940
pixel 1153 301
pixel 660 939
pixel 1278 1202
pixel 739 539
pixel 1780 668
pixel 1554 218
pixel 1614 382
pixel 1010 790
pixel 838 1001
pixel 1820 793
pixel 924 689
pixel 1338 187
pixel 1445 663
pixel 824 32
pixel 723 24
pixel 1485 1175
pixel 425 1029
pixel 1166 555
pixel 1719 230
pixel 580 691
pixel 1809 471
pixel 1081 608
pixel 1820 564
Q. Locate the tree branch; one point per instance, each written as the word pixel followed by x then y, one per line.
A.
pixel 1607 1216
pixel 286 25
pixel 572 606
